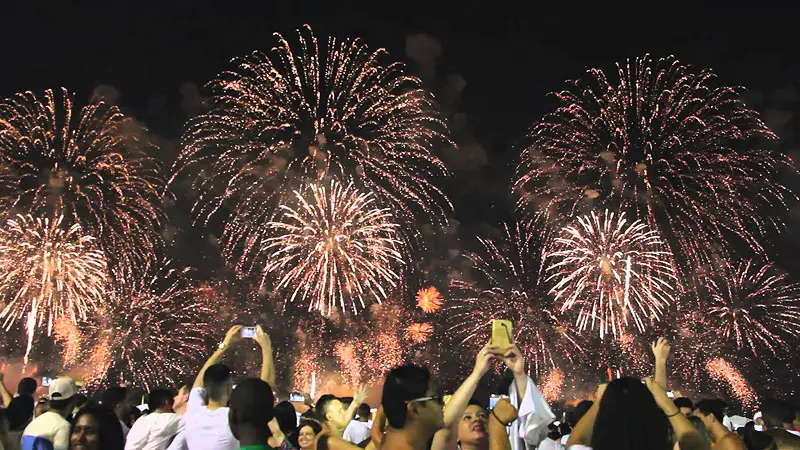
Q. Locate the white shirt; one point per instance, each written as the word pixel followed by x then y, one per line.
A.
pixel 356 432
pixel 153 431
pixel 206 429
pixel 534 416
pixel 51 427
pixel 549 444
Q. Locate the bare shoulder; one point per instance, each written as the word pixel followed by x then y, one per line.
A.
pixel 731 441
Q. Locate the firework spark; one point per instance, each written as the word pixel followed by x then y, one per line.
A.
pixel 335 246
pixel 553 385
pixel 155 327
pixel 507 284
pixel 755 306
pixel 301 110
pixel 429 299
pixel 92 168
pixel 613 272
pixel 419 333
pixel 724 372
pixel 48 273
pixel 662 143
pixel 69 335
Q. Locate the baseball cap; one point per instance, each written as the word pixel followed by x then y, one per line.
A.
pixel 62 388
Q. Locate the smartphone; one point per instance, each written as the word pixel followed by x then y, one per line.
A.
pixel 501 333
pixel 670 394
pixel 46 381
pixel 249 332
pixel 295 397
pixel 494 399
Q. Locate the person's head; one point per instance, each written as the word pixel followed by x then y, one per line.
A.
pixel 42 406
pixel 160 400
pixel 777 413
pixel 96 428
pixel 629 418
pixel 701 428
pixel 307 431
pixel 579 411
pixel 364 412
pixel 332 411
pixel 286 416
pixel 472 426
pixel 218 383
pixel 62 395
pixel 685 406
pixel 251 410
pixel 410 399
pixel 181 399
pixel 19 412
pixel 113 398
pixel 27 386
pixel 710 411
pixel 757 440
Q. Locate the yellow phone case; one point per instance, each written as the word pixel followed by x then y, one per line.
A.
pixel 501 332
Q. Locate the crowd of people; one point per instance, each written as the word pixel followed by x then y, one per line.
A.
pixel 216 412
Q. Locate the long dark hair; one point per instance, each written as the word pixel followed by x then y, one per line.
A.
pixel 629 419
pixel 110 430
pixel 286 417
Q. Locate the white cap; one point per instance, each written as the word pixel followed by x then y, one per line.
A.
pixel 62 388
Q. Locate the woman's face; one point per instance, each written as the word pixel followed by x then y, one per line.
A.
pixel 306 437
pixel 85 434
pixel 472 427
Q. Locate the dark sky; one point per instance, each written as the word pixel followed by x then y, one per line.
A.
pixel 153 57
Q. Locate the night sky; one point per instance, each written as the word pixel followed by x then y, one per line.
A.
pixel 490 64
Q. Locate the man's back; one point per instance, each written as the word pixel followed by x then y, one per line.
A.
pixel 153 431
pixel 206 429
pixel 357 432
pixel 46 432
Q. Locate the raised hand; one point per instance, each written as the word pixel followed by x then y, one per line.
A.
pixel 661 349
pixel 262 338
pixel 360 395
pixel 233 335
pixel 484 358
pixel 514 360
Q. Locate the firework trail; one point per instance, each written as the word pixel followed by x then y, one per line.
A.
pixel 507 284
pixel 724 372
pixel 155 328
pixel 663 144
pixel 334 246
pixel 302 114
pixel 349 362
pixel 48 273
pixel 613 272
pixel 419 333
pixel 92 167
pixel 69 335
pixel 429 299
pixel 754 306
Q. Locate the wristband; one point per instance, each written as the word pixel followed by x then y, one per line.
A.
pixel 501 422
pixel 674 414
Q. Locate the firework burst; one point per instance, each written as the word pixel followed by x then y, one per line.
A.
pixel 300 113
pixel 429 299
pixel 663 144
pixel 754 306
pixel 334 246
pixel 419 333
pixel 155 327
pixel 48 273
pixel 506 283
pixel 724 372
pixel 613 272
pixel 92 167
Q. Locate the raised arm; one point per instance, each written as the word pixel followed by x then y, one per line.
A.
pixel 447 437
pixel 582 433
pixel 661 350
pixel 231 337
pixel 7 397
pixel 358 399
pixel 685 432
pixel 501 417
pixel 378 428
pixel 267 362
pixel 516 363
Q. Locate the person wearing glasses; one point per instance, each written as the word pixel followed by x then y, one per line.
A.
pixel 412 407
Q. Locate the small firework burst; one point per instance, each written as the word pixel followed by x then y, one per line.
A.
pixel 613 272
pixel 553 385
pixel 419 333
pixel 48 272
pixel 754 306
pixel 429 299
pixel 333 247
